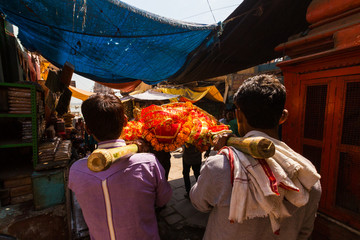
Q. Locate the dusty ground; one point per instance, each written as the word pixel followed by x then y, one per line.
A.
pixel 168 232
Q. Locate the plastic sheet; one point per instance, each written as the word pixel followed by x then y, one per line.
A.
pixel 105 40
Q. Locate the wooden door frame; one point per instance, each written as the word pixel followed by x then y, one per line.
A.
pixel 339 108
pixel 333 122
pixel 328 121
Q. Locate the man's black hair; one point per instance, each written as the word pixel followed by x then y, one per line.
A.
pixel 262 100
pixel 104 116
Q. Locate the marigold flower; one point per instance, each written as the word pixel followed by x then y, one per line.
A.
pixel 172 147
pixel 154 141
pixel 148 137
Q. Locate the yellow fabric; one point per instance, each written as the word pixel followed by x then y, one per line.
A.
pixel 184 92
pixel 80 94
pixel 210 92
pixel 174 100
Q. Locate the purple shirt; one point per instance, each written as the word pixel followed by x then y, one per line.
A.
pixel 119 203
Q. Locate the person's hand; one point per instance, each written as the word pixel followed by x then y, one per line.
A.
pixel 143 146
pixel 220 140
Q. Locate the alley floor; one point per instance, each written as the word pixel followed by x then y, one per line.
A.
pixel 179 220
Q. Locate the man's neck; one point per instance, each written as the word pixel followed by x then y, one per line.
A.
pixel 274 132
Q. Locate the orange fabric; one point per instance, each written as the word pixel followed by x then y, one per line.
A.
pixel 184 99
pixel 169 126
pixel 44 69
pixel 124 87
pixel 167 131
pixel 80 94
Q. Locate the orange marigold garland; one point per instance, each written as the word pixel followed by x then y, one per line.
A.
pixel 170 126
pixel 132 131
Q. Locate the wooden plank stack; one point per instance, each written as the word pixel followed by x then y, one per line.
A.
pixel 16 190
pixel 19 100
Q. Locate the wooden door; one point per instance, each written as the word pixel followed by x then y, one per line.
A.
pixel 330 138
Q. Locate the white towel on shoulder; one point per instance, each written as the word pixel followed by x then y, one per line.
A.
pixel 260 185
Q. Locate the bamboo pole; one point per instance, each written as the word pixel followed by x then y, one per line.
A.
pixel 101 159
pixel 257 147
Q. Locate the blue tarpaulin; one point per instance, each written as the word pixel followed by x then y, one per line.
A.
pixel 106 40
pixel 111 42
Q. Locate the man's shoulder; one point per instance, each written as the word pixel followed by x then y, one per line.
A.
pixel 143 158
pixel 79 164
pixel 218 161
pixel 216 157
pixel 316 190
pixel 78 173
pixel 80 167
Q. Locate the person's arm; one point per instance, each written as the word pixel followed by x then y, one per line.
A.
pixel 220 140
pixel 308 222
pixel 143 146
pixel 207 153
pixel 213 185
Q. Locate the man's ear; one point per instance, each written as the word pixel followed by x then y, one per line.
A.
pixel 284 116
pixel 239 115
pixel 125 121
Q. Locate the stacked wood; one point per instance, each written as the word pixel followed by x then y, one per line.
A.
pixel 63 152
pixel 19 100
pixel 16 190
pixel 47 150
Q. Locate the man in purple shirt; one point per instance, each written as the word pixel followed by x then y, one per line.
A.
pixel 118 203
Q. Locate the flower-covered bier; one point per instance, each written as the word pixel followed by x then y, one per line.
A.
pixel 169 126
